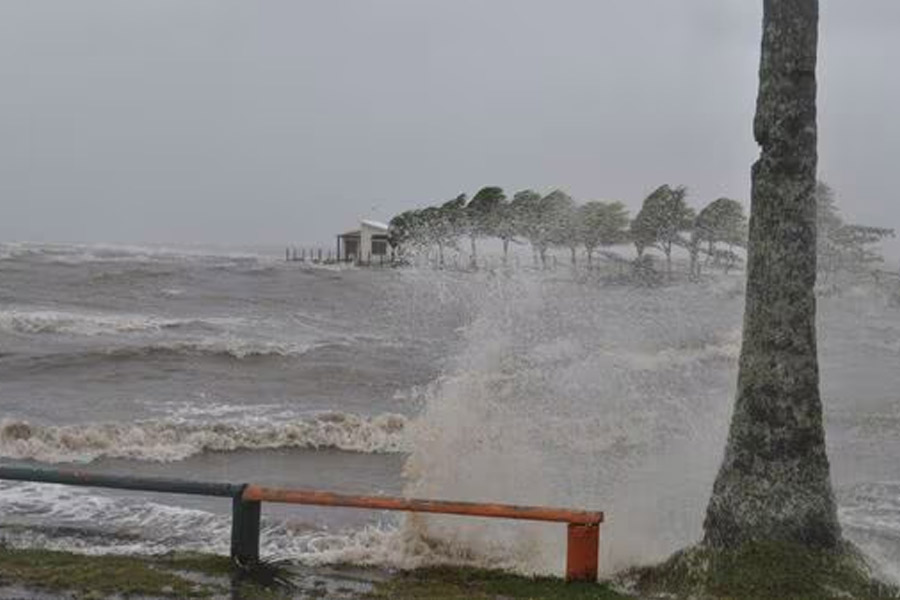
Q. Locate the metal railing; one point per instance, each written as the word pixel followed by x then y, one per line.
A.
pixel 583 540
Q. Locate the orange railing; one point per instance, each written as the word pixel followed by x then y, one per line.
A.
pixel 583 542
pixel 583 526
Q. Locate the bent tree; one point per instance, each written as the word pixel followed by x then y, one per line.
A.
pixel 775 482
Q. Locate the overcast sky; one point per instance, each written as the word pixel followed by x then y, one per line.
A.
pixel 268 121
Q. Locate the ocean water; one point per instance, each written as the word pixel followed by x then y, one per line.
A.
pixel 526 387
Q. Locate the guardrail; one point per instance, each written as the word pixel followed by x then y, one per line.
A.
pixel 583 540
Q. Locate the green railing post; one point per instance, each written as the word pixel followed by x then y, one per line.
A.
pixel 245 517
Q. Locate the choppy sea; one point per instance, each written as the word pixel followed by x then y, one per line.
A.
pixel 524 386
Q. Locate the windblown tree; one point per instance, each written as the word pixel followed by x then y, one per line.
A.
pixel 554 222
pixel 602 224
pixel 440 226
pixel 433 230
pixel 569 232
pixel 774 484
pixel 663 218
pixel 454 214
pixel 402 232
pixel 483 215
pixel 842 246
pixel 506 228
pixel 524 213
pixel 720 221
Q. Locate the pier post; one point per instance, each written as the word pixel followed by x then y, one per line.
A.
pixel 245 518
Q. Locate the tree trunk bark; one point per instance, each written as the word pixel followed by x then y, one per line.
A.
pixel 775 482
pixel 695 262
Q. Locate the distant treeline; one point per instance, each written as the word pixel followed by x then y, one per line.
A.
pixel 665 222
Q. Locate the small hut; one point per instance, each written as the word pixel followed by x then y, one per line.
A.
pixel 364 246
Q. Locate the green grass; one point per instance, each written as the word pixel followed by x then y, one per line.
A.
pixel 756 572
pixel 178 575
pixel 473 584
pixel 94 576
pixel 762 571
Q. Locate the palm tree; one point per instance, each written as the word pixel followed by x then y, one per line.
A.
pixel 774 484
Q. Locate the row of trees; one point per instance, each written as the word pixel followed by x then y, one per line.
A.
pixel 555 220
pixel 665 222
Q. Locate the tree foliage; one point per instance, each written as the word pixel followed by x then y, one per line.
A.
pixel 843 247
pixel 483 214
pixel 663 218
pixel 664 222
pixel 720 221
pixel 556 220
pixel 524 214
pixel 602 224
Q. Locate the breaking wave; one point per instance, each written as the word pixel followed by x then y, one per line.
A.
pixel 563 396
pixel 226 348
pixel 169 440
pixel 86 324
pixel 229 347
pixel 88 522
pixel 197 336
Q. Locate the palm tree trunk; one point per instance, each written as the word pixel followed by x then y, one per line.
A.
pixel 775 483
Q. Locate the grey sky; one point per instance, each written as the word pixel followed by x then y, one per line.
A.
pixel 275 121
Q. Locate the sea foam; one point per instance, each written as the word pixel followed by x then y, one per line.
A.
pixel 91 324
pixel 172 440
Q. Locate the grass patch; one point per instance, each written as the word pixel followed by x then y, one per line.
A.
pixel 447 583
pixel 761 571
pixel 94 576
pixel 205 564
pixel 177 575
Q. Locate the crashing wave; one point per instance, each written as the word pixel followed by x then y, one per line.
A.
pixel 74 323
pixel 82 521
pixel 230 347
pixel 168 440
